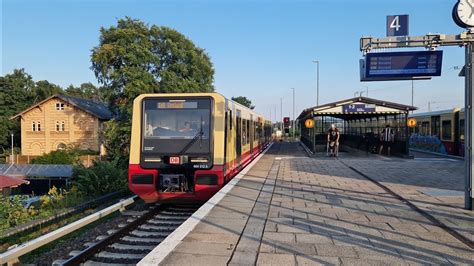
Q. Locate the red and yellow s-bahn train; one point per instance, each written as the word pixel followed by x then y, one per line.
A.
pixel 439 131
pixel 185 147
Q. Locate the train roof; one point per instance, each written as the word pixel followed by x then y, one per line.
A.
pixel 434 113
pixel 197 94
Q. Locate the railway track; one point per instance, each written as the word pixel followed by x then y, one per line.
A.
pixel 129 243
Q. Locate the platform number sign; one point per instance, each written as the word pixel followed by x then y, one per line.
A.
pixel 397 25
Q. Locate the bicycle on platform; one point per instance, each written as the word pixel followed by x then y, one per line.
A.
pixel 332 147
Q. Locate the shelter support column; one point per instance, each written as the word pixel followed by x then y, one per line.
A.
pixel 407 135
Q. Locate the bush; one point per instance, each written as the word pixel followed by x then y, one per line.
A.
pixel 56 157
pixel 68 156
pixel 101 178
pixel 13 213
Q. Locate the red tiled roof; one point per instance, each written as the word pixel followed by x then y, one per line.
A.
pixel 10 181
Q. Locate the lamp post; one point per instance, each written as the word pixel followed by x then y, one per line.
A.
pixel 412 93
pixel 293 127
pixel 317 81
pixel 12 159
pixel 281 114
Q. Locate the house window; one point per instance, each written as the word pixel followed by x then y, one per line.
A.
pixel 35 126
pixel 61 146
pixel 59 106
pixel 60 126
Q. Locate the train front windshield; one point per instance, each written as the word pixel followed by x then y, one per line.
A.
pixel 169 125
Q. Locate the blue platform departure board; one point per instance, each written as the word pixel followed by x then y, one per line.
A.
pixel 403 64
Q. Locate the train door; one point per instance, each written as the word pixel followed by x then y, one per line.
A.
pixel 436 126
pixel 252 132
pixel 228 127
pixel 457 145
pixel 238 130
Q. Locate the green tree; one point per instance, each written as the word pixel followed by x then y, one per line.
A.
pixel 16 94
pixel 85 91
pixel 134 58
pixel 18 91
pixel 44 89
pixel 243 101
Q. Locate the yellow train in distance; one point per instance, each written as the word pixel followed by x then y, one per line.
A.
pixel 185 147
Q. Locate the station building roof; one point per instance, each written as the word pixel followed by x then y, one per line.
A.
pixel 11 181
pixel 36 170
pixel 355 108
pixel 97 109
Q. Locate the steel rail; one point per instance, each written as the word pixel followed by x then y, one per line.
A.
pixel 11 256
pixel 97 247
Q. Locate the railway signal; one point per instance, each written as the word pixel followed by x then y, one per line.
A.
pixel 286 122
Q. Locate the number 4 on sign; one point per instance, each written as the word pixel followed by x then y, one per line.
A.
pixel 395 23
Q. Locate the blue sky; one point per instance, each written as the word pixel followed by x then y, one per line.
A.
pixel 260 49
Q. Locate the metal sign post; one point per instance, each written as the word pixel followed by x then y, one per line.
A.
pixel 431 41
pixel 469 134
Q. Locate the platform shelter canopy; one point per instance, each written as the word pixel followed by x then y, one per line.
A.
pixel 358 119
pixel 358 107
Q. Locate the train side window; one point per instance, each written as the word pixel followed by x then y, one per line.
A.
pixel 425 128
pixel 446 129
pixel 230 119
pixel 461 130
pixel 435 126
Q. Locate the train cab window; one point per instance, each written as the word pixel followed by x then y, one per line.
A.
pixel 446 129
pixel 182 120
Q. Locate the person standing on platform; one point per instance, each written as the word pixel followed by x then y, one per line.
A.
pixel 387 137
pixel 333 140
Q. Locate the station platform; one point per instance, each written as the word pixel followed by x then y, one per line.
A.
pixel 292 209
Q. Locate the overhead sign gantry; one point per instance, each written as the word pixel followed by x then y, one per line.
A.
pixel 463 15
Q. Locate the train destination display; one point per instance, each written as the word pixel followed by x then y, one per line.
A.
pixel 403 65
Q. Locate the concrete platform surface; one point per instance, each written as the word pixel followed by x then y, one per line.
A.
pixel 290 209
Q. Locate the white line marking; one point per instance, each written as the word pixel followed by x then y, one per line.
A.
pixel 159 253
pixel 436 159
